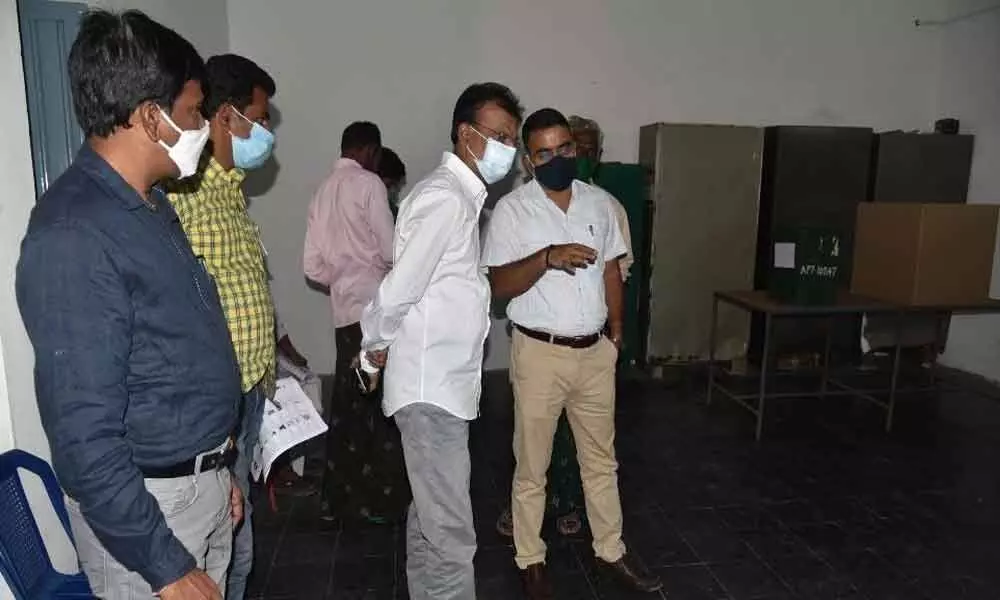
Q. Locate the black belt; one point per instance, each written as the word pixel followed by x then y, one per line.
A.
pixel 220 459
pixel 578 342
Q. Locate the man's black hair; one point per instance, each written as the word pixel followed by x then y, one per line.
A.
pixel 390 167
pixel 231 79
pixel 477 95
pixel 542 119
pixel 359 135
pixel 119 61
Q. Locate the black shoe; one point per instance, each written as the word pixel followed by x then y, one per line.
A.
pixel 536 582
pixel 632 575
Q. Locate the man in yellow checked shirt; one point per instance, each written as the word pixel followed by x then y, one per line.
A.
pixel 213 212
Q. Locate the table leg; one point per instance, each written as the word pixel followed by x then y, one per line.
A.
pixel 711 349
pixel 936 349
pixel 891 410
pixel 826 357
pixel 765 362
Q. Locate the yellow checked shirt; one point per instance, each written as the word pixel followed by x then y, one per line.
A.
pixel 213 213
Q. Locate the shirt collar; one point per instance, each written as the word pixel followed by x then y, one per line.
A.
pixel 535 190
pixel 214 175
pixel 343 161
pixel 472 185
pixel 88 160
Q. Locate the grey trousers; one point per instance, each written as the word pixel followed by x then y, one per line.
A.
pixel 197 511
pixel 440 536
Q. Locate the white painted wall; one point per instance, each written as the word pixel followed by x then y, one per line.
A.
pixel 19 423
pixel 970 91
pixel 625 63
pixel 17 394
pixel 203 22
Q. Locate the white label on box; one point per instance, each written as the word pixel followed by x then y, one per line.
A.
pixel 784 256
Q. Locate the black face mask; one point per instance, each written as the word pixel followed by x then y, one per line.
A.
pixel 557 174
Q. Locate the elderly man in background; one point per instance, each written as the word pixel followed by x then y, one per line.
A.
pixel 589 148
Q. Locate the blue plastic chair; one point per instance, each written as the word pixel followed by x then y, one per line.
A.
pixel 24 561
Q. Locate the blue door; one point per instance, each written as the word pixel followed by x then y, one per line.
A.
pixel 48 29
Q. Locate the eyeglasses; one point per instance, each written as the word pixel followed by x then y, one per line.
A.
pixel 499 136
pixel 569 149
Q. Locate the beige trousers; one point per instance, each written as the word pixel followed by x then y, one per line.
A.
pixel 548 378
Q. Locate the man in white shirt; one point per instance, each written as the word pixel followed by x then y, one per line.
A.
pixel 428 325
pixel 553 247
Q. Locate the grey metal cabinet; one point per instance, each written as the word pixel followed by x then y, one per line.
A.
pixel 706 186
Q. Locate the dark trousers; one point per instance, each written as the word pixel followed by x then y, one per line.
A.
pixel 365 476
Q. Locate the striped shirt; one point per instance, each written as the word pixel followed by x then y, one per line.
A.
pixel 213 212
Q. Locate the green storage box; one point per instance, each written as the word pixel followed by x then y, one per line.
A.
pixel 808 265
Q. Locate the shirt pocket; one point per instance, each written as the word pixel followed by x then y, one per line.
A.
pixel 591 232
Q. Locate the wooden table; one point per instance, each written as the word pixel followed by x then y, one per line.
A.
pixel 762 303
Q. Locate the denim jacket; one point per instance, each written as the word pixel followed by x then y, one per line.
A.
pixel 133 362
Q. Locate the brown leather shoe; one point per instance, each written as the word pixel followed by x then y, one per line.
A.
pixel 631 574
pixel 536 582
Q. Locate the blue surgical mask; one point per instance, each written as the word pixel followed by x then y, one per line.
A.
pixel 252 152
pixel 496 161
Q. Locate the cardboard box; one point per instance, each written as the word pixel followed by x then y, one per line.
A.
pixel 924 254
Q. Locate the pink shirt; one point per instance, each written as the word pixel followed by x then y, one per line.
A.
pixel 349 239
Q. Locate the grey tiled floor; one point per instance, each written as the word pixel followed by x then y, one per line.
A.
pixel 827 506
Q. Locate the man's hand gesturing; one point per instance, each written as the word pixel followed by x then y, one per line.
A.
pixel 570 257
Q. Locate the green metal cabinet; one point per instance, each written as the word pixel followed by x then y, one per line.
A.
pixel 629 184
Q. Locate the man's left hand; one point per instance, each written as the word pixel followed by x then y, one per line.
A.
pixel 236 504
pixel 616 339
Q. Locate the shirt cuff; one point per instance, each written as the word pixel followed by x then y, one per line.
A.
pixel 366 366
pixel 177 563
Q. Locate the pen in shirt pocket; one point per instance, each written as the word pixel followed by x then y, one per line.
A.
pixel 590 228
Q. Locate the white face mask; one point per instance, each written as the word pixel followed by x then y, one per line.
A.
pixel 187 151
pixel 496 161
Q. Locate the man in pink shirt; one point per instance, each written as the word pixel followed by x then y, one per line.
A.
pixel 348 249
pixel 349 235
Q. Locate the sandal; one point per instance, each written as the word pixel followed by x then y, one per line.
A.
pixel 569 524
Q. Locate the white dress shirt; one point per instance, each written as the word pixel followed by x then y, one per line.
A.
pixel 621 216
pixel 525 221
pixel 432 309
